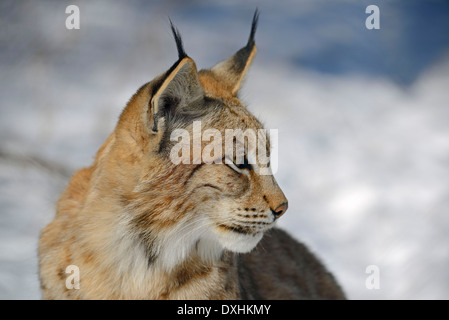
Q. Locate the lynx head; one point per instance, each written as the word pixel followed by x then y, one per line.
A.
pixel 200 204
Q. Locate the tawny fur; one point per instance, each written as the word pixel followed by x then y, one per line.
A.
pixel 140 227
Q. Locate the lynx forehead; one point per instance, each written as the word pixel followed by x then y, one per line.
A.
pixel 139 226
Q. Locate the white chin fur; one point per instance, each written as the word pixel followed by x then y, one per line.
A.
pixel 176 246
pixel 237 242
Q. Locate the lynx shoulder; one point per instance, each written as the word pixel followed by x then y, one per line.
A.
pixel 138 225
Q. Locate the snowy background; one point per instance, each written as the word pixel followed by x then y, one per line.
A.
pixel 363 119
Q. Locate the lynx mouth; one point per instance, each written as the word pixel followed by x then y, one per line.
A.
pixel 238 229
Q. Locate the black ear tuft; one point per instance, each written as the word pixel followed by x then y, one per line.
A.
pixel 181 53
pixel 232 70
pixel 253 28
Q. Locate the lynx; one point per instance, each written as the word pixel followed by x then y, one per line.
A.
pixel 139 226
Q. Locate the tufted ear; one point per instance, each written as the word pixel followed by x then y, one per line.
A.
pixel 180 87
pixel 231 71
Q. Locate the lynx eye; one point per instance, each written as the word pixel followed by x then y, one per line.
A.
pixel 245 165
pixel 241 166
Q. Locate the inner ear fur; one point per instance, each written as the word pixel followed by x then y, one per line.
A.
pixel 180 88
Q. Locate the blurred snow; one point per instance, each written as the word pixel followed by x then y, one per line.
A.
pixel 364 164
pixel 363 121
